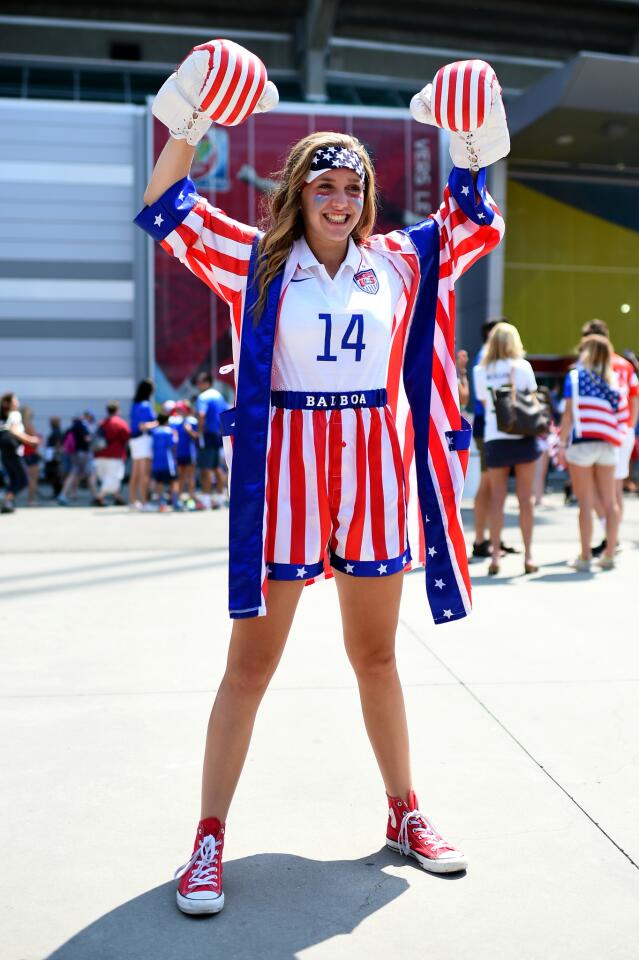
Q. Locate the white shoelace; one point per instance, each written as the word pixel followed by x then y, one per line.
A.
pixel 203 860
pixel 427 832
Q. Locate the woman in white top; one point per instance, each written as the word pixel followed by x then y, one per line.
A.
pixel 503 364
pixel 13 436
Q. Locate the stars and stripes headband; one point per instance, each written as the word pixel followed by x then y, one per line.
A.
pixel 335 158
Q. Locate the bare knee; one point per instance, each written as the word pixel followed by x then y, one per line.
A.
pixel 374 663
pixel 611 510
pixel 250 675
pixel 526 500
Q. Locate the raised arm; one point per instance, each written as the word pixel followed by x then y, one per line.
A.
pixel 222 82
pixel 465 99
pixel 173 164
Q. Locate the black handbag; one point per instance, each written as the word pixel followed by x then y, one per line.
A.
pixel 520 413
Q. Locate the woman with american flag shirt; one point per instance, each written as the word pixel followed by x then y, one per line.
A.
pixel 346 440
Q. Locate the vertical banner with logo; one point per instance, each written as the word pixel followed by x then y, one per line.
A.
pixel 235 169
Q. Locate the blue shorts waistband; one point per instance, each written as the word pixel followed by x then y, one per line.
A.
pixel 340 400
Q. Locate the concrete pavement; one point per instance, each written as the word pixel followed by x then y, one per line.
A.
pixel 524 722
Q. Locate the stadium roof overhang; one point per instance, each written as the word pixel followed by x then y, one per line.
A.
pixel 582 119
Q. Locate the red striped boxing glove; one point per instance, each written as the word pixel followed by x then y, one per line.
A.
pixel 465 99
pixel 219 81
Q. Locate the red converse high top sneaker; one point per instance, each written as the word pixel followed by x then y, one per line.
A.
pixel 410 833
pixel 200 886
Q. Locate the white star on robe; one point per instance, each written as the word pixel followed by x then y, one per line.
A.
pixel 404 560
pixel 181 195
pixel 159 220
pixel 349 568
pixel 268 570
pixel 465 191
pixel 426 519
pixel 481 216
pixel 382 568
pixel 440 584
pixel 301 572
pixel 431 551
pixel 448 614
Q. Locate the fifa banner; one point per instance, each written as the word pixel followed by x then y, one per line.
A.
pixel 236 168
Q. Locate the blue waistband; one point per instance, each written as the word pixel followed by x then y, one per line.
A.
pixel 299 400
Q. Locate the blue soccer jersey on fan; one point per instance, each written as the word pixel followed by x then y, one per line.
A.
pixel 140 413
pixel 164 441
pixel 186 445
pixel 211 403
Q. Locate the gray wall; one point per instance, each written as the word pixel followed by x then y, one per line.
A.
pixel 73 316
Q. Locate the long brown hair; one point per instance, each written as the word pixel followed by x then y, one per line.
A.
pixel 284 222
pixel 5 405
pixel 595 354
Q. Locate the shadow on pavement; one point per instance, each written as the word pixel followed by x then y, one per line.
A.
pixel 276 905
pixel 571 576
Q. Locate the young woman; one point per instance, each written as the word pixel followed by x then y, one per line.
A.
pixel 592 429
pixel 142 419
pixel 327 441
pixel 503 364
pixel 13 437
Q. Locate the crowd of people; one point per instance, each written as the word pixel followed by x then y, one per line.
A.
pixel 586 425
pixel 175 456
pixel 174 452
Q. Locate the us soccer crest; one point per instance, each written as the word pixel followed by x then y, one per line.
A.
pixel 367 281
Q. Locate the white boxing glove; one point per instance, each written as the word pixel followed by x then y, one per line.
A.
pixel 465 99
pixel 219 81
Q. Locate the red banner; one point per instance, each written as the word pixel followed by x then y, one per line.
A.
pixel 234 167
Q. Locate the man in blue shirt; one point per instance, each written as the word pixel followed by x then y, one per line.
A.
pixel 209 405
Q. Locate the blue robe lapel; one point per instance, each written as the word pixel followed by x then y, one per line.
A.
pixel 250 447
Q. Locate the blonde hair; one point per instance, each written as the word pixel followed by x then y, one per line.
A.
pixel 595 354
pixel 284 217
pixel 504 343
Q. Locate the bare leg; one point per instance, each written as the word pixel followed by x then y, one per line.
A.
pixel 524 481
pixel 370 611
pixel 498 478
pixel 206 481
pixel 70 487
pixel 619 496
pixel 144 479
pixel 541 471
pixel 582 480
pixel 481 507
pixel 219 480
pixel 254 653
pixel 604 483
pixel 191 481
pixel 134 481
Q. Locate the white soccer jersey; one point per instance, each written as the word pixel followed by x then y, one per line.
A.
pixel 335 334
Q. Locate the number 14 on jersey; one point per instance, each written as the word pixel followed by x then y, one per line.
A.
pixel 355 327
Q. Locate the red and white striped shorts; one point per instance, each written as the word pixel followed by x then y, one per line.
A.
pixel 335 485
